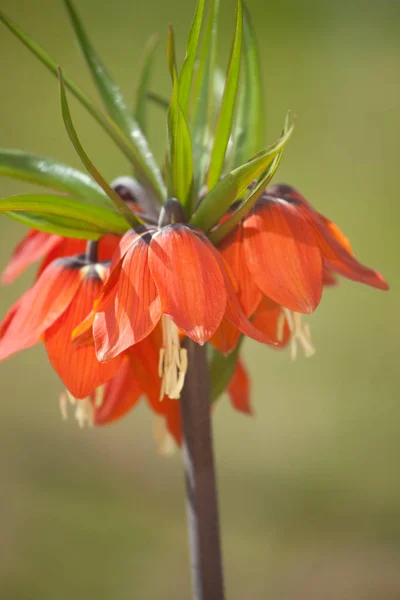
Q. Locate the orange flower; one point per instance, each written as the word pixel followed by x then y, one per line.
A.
pixel 173 274
pixel 60 299
pixel 285 252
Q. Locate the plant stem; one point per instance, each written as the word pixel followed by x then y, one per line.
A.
pixel 201 491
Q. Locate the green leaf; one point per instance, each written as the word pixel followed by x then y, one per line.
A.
pixel 202 122
pixel 140 108
pixel 50 173
pixel 219 199
pixel 227 111
pixel 112 194
pixel 186 76
pixel 221 369
pixel 49 224
pixel 222 231
pixel 134 147
pixel 248 136
pixel 86 216
pixel 171 55
pixel 179 154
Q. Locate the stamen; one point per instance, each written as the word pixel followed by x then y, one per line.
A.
pixel 64 406
pixel 173 361
pixel 84 411
pixel 301 334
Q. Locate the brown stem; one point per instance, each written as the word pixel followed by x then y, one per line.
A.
pixel 201 491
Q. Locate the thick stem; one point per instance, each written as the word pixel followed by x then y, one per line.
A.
pixel 201 491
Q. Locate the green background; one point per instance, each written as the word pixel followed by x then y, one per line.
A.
pixel 309 488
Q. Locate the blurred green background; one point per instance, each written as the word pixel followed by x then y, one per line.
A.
pixel 309 488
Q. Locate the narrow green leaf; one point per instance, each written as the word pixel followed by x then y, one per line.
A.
pixel 202 122
pixel 221 369
pixel 112 194
pixel 140 109
pixel 171 55
pixel 221 231
pixel 186 76
pixel 179 154
pixel 111 94
pixel 50 173
pixel 227 111
pixel 134 147
pixel 93 218
pixel 49 224
pixel 248 136
pixel 219 199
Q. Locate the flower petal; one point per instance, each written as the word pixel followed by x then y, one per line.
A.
pixel 239 389
pixel 283 255
pixel 34 246
pixel 234 312
pixel 328 278
pixel 78 367
pixel 338 255
pixel 270 318
pixel 226 338
pixel 189 280
pixel 39 307
pixel 129 307
pixel 66 247
pixel 335 246
pixel 118 396
pixel 232 250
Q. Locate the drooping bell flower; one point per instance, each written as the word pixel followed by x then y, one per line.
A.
pixel 172 274
pixel 285 252
pixel 49 311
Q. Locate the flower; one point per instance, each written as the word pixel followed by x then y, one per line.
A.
pixel 174 275
pixel 50 310
pixel 283 253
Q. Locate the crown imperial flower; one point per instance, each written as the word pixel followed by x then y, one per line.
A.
pixel 148 285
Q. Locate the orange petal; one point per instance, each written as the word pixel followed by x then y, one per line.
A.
pixel 122 247
pixel 270 318
pixel 39 307
pixel 66 247
pixel 239 389
pixel 173 421
pixel 338 255
pixel 107 246
pixel 34 246
pixel 226 338
pixel 232 250
pixel 283 255
pixel 189 280
pixel 328 278
pixel 335 246
pixel 78 367
pixel 234 313
pixel 129 307
pixel 119 395
pixel 82 334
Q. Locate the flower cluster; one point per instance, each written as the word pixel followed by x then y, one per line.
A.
pixel 113 318
pixel 202 249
